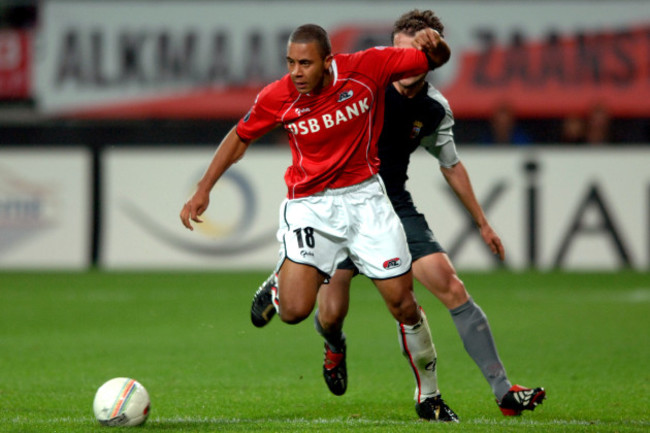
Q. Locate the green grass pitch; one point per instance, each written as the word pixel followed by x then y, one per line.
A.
pixel 188 339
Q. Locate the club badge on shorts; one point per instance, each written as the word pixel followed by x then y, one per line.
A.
pixel 393 263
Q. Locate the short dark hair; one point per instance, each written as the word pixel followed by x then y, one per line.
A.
pixel 415 20
pixel 308 33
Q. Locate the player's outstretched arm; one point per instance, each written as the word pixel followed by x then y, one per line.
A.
pixel 458 179
pixel 230 150
pixel 433 45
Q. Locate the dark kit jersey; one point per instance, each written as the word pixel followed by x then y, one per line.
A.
pixel 407 121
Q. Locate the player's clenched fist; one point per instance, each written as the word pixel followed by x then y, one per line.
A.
pixel 433 45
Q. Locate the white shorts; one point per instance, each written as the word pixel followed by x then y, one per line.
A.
pixel 356 221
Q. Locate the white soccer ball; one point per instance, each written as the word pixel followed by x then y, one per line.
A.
pixel 121 402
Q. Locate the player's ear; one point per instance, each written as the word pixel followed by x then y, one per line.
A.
pixel 328 61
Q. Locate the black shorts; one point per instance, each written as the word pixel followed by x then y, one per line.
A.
pixel 419 236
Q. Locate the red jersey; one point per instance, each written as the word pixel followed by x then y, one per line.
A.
pixel 333 134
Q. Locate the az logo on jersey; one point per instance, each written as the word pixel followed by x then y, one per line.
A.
pixel 345 96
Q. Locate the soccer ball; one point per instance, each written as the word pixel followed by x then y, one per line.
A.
pixel 121 402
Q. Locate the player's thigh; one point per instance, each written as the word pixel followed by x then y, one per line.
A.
pixel 420 237
pixel 298 286
pixel 378 244
pixel 437 274
pixel 310 232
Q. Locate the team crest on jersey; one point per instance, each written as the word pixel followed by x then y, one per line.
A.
pixel 344 96
pixel 417 127
pixel 392 263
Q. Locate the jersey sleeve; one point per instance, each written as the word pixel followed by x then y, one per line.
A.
pixel 261 118
pixel 441 143
pixel 395 63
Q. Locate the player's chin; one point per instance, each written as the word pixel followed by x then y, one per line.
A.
pixel 302 87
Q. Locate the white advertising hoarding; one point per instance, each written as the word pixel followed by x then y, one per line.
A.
pixel 146 189
pixel 553 208
pixel 45 208
pixel 583 209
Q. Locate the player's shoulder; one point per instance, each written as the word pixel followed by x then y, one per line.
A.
pixel 281 86
pixel 437 97
pixel 278 91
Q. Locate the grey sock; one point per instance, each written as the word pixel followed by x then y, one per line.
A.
pixel 474 330
pixel 334 339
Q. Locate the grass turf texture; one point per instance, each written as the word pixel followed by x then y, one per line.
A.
pixel 188 339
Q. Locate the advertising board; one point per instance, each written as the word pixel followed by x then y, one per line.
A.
pixel 209 59
pixel 45 208
pixel 553 208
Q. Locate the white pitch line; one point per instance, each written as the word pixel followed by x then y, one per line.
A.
pixel 334 421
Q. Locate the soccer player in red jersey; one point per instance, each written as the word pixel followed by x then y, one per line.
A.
pixel 332 108
pixel 416 114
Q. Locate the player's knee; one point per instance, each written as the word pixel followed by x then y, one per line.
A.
pixel 456 291
pixel 292 317
pixel 291 320
pixel 294 312
pixel 330 318
pixel 405 310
